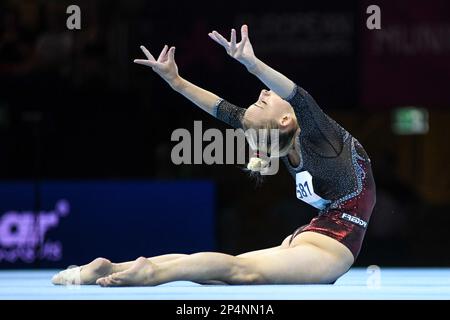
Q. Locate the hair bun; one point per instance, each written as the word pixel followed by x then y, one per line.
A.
pixel 257 164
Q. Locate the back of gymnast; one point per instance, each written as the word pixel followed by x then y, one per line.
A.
pixel 332 173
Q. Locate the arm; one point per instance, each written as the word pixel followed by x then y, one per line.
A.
pixel 167 69
pixel 215 106
pixel 320 130
pixel 243 52
pixel 204 99
pixel 273 79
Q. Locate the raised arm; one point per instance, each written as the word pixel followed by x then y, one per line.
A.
pixel 166 67
pixel 243 52
pixel 322 131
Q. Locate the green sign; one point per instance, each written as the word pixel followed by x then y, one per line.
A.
pixel 410 120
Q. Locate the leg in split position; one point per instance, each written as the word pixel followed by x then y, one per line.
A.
pixel 300 263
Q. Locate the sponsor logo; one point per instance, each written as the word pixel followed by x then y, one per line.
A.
pixel 355 220
pixel 22 234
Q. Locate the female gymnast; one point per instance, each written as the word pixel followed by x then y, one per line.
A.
pixel 332 172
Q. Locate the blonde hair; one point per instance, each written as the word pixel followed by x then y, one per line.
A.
pixel 257 164
pixel 263 144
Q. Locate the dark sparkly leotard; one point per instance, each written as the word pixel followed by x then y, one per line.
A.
pixel 334 174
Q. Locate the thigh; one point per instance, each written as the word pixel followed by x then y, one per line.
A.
pixel 284 244
pixel 300 264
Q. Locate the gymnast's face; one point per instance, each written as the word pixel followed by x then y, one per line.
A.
pixel 270 107
pixel 271 112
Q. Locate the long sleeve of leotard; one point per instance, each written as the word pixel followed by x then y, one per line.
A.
pixel 229 113
pixel 321 132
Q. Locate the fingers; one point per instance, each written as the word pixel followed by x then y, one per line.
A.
pixel 145 62
pixel 233 40
pixel 165 54
pixel 231 46
pixel 212 36
pixel 162 55
pixel 244 31
pixel 223 43
pixel 171 54
pixel 220 39
pixel 147 54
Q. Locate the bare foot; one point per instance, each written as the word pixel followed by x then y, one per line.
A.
pixel 139 274
pixel 86 274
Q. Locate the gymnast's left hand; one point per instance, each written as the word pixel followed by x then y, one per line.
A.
pixel 242 51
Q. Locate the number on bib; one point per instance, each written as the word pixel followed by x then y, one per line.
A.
pixel 305 190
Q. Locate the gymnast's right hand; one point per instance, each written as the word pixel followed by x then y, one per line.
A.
pixel 165 65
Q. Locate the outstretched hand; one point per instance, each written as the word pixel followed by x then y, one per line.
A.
pixel 242 51
pixel 165 65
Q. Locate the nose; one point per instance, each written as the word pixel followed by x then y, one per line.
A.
pixel 264 93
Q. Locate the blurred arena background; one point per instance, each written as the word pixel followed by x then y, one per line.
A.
pixel 85 167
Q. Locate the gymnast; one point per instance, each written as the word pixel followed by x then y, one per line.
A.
pixel 332 173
